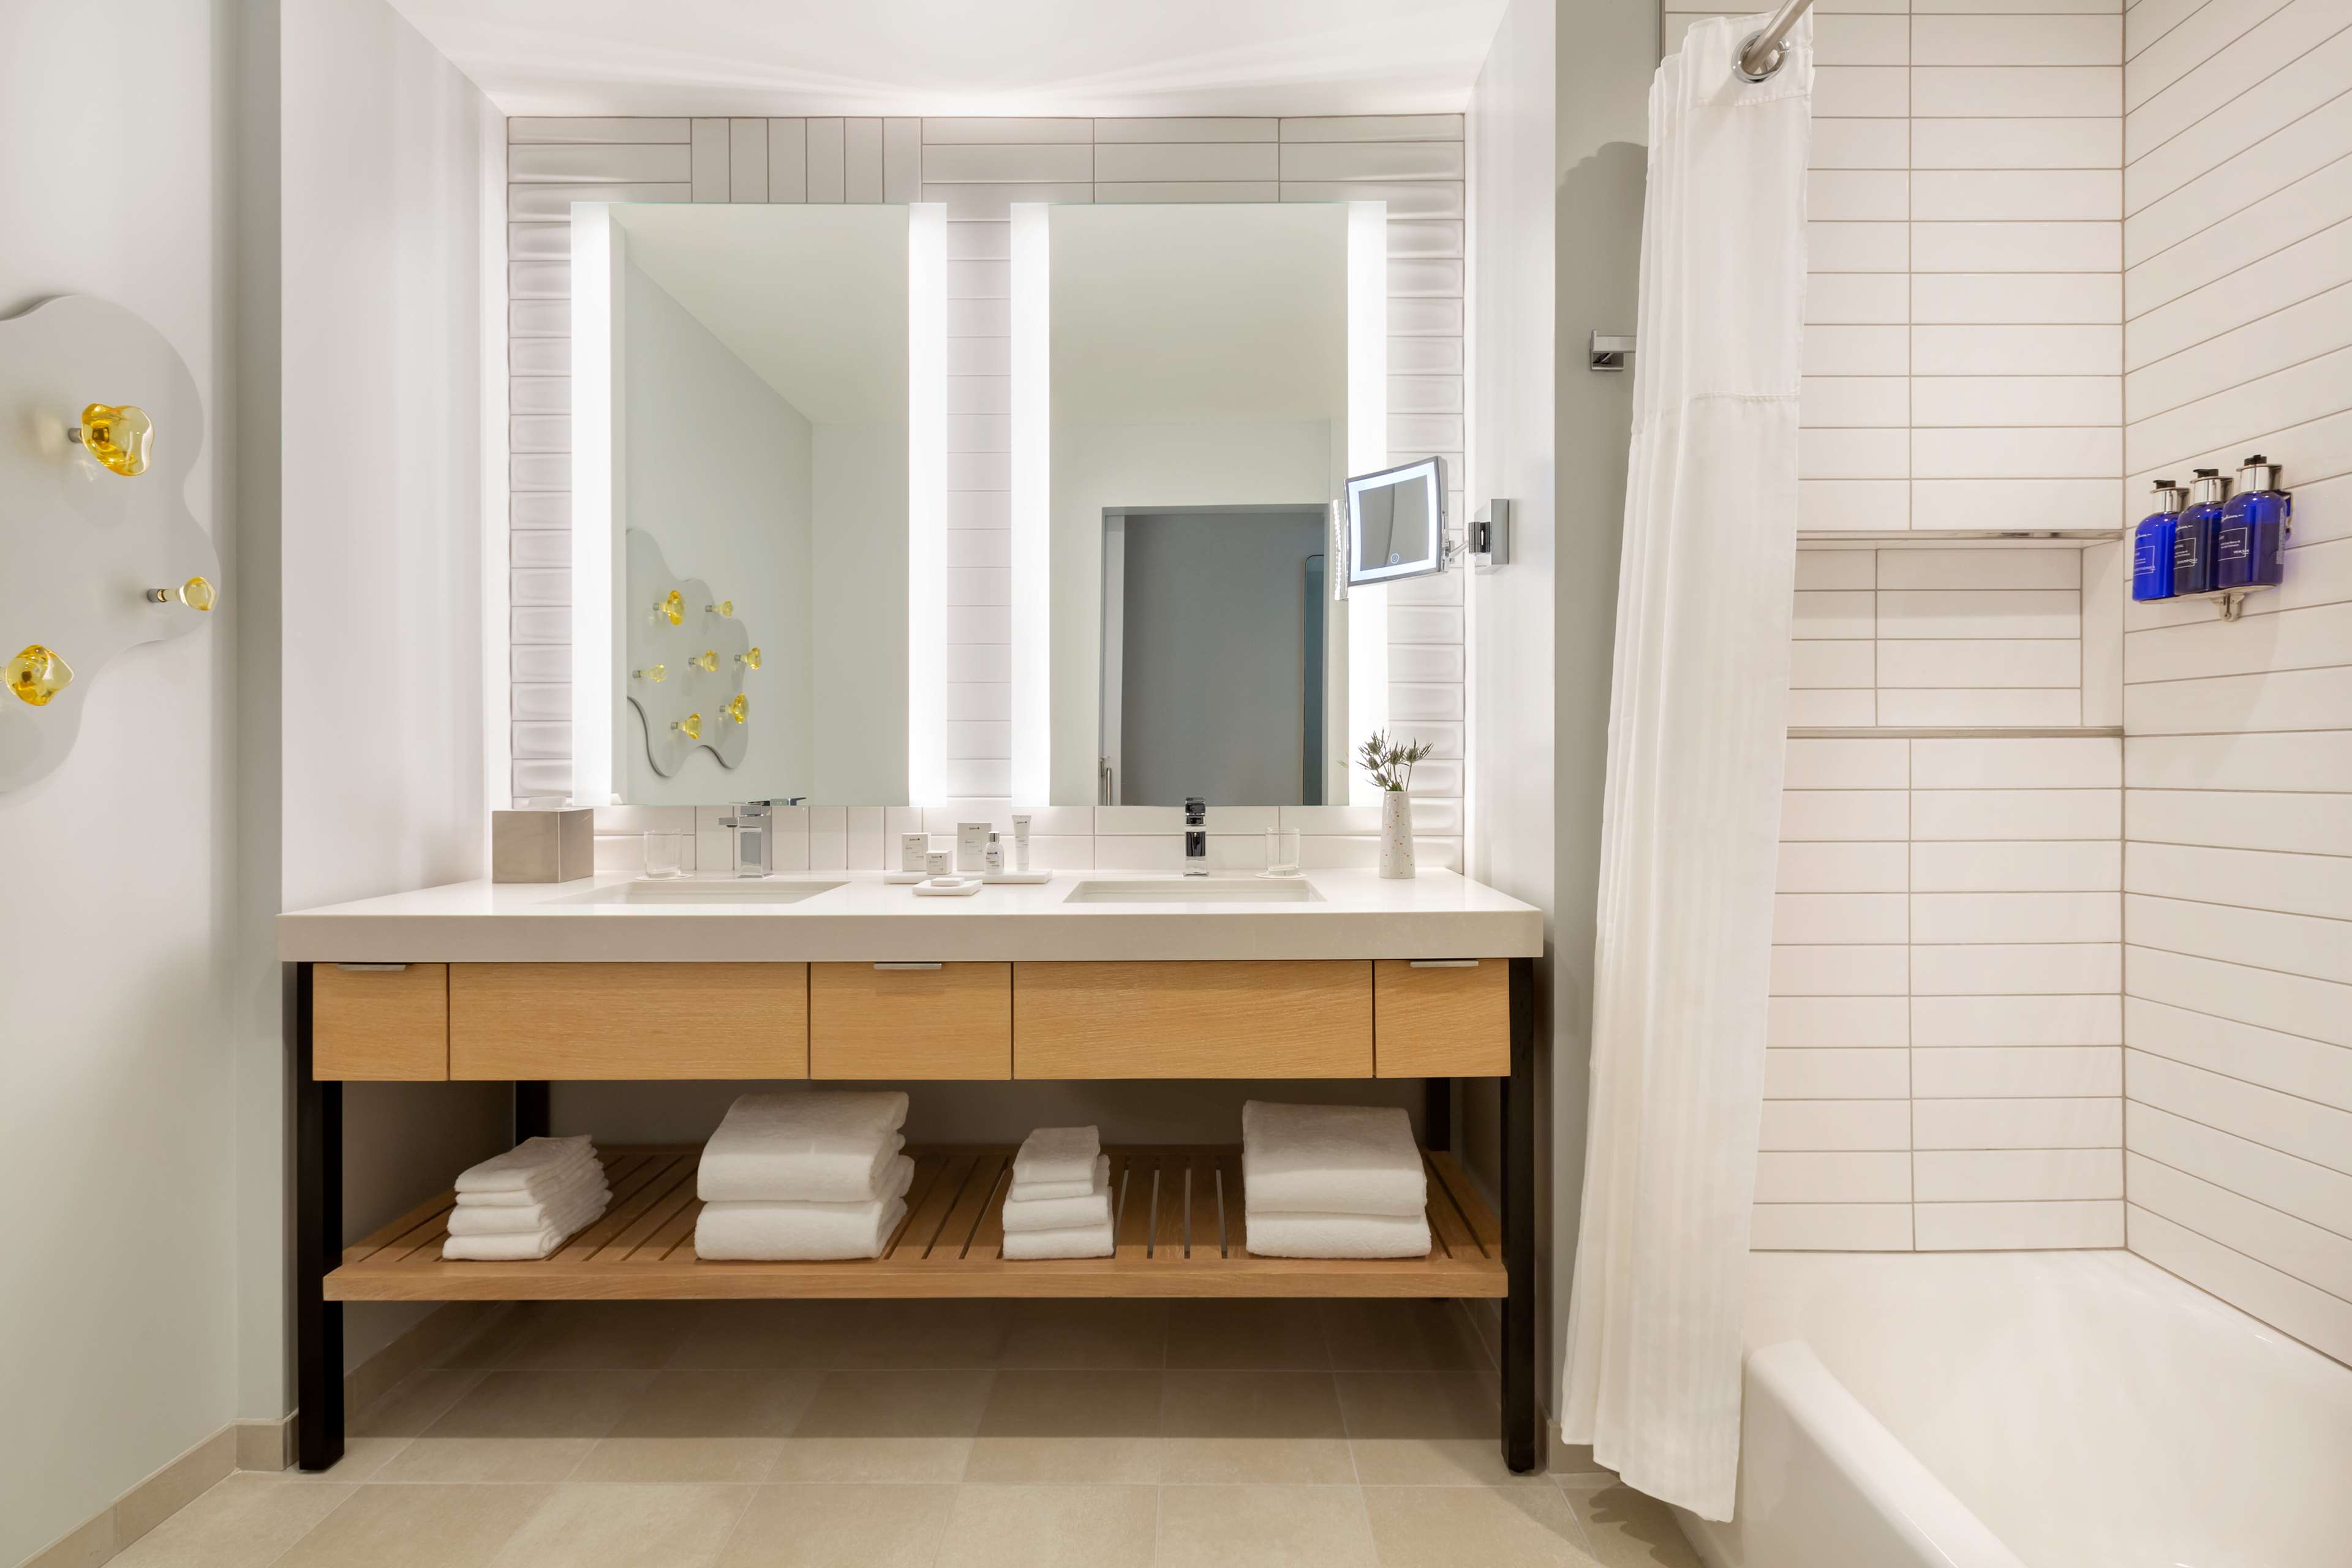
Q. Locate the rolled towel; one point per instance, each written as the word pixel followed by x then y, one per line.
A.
pixel 1336 1235
pixel 536 1165
pixel 588 1176
pixel 1070 1241
pixel 1057 1155
pixel 583 1208
pixel 1028 1216
pixel 801 1232
pixel 812 1147
pixel 1331 1159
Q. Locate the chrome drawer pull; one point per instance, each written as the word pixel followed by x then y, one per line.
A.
pixel 371 968
pixel 1444 962
pixel 906 966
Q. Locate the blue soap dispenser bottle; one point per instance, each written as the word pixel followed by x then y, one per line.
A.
pixel 2152 543
pixel 2192 541
pixel 2249 540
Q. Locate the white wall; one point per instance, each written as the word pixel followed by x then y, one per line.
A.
pixel 1102 466
pixel 857 636
pixel 720 473
pixel 118 1317
pixel 2237 748
pixel 387 152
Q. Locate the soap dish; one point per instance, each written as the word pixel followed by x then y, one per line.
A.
pixel 963 888
pixel 1022 876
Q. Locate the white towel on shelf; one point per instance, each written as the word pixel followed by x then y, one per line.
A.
pixel 1022 1192
pixel 1331 1159
pixel 588 1175
pixel 536 1165
pixel 584 1207
pixel 816 1146
pixel 1027 1216
pixel 1336 1235
pixel 512 1246
pixel 1056 1156
pixel 1069 1241
pixel 803 1232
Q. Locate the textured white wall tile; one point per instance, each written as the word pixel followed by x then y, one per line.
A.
pixel 1996 1175
pixel 2007 1228
pixel 1844 1021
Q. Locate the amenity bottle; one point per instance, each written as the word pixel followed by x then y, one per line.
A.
pixel 2192 541
pixel 2248 542
pixel 2152 543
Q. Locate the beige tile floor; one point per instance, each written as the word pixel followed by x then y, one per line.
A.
pixel 942 1434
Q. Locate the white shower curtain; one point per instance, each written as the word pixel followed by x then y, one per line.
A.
pixel 1697 725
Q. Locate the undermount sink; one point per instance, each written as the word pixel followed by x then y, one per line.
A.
pixel 704 890
pixel 1195 891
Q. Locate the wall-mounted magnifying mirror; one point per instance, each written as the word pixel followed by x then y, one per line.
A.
pixel 1396 523
pixel 746 480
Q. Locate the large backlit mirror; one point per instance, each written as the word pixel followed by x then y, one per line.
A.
pixel 1201 395
pixel 747 473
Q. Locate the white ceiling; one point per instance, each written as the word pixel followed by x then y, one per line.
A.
pixel 813 299
pixel 964 57
pixel 1185 314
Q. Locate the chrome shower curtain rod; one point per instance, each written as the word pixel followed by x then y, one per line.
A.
pixel 1761 53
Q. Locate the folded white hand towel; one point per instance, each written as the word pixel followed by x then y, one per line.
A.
pixel 816 1146
pixel 534 1163
pixel 583 1208
pixel 1336 1235
pixel 513 1247
pixel 1031 1215
pixel 801 1232
pixel 584 1176
pixel 1331 1159
pixel 1022 1192
pixel 1070 1241
pixel 1058 1154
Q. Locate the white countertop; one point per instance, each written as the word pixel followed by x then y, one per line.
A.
pixel 1355 914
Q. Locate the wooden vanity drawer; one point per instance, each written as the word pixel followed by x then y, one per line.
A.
pixel 1275 1019
pixel 382 1022
pixel 910 1021
pixel 629 1020
pixel 1449 1019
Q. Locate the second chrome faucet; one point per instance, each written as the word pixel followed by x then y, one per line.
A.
pixel 1196 836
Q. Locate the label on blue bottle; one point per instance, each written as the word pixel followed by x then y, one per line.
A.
pixel 2234 542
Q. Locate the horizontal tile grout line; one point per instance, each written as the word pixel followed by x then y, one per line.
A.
pixel 2210 1127
pixel 2146 946
pixel 2212 109
pixel 2132 369
pixel 2233 1077
pixel 2336 663
pixel 2190 14
pixel 2216 1241
pixel 2174 298
pixel 2190 844
pixel 2233 211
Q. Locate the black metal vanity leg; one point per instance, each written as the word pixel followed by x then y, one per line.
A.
pixel 317 1241
pixel 534 1109
pixel 1519 1406
pixel 1437 1112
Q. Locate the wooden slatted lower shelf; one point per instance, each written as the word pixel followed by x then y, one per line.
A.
pixel 1179 1232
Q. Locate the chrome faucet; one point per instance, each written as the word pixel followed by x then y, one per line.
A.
pixel 753 825
pixel 1196 836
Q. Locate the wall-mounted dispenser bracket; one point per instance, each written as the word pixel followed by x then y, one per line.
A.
pixel 1609 352
pixel 1490 535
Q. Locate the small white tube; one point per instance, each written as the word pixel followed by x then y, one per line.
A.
pixel 1021 841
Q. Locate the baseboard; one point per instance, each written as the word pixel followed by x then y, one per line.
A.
pixel 144 1506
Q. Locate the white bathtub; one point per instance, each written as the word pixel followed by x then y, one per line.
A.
pixel 2050 1409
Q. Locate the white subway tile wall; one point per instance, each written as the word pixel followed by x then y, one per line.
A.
pixel 979 166
pixel 2238 757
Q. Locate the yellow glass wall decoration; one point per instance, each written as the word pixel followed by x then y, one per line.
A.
pixel 723 607
pixel 707 660
pixel 690 726
pixel 673 608
pixel 196 592
pixel 750 660
pixel 118 437
pixel 656 673
pixel 37 674
pixel 739 708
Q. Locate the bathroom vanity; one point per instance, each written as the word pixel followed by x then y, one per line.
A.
pixel 843 976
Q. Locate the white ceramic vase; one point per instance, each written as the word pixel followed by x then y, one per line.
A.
pixel 1396 834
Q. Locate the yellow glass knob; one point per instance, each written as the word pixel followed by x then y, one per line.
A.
pixel 739 708
pixel 37 674
pixel 195 592
pixel 723 607
pixel 656 673
pixel 673 608
pixel 707 660
pixel 119 437
pixel 690 726
pixel 749 660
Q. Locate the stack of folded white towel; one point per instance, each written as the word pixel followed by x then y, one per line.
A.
pixel 1059 1203
pixel 527 1202
pixel 1332 1181
pixel 804 1177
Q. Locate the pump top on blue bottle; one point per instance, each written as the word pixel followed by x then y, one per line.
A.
pixel 2152 543
pixel 2192 540
pixel 2249 542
